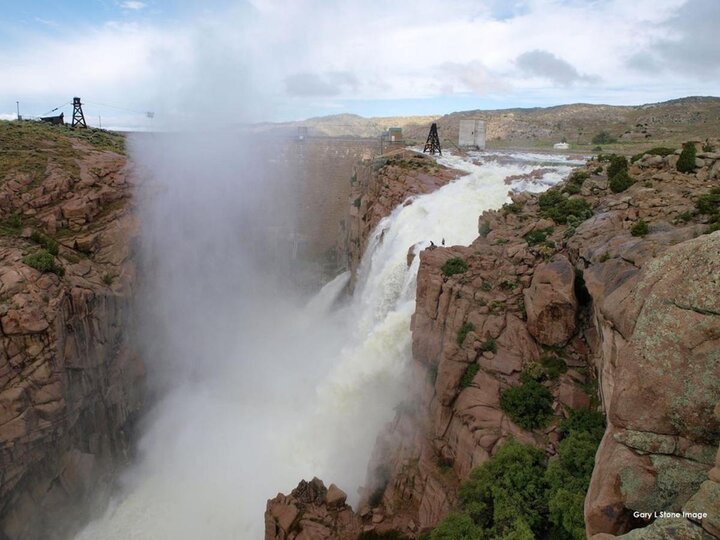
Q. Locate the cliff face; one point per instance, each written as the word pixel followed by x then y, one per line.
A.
pixel 620 289
pixel 70 384
pixel 377 187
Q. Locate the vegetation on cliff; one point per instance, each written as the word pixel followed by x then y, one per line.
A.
pixel 518 495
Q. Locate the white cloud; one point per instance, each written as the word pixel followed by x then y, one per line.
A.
pixel 272 58
pixel 133 4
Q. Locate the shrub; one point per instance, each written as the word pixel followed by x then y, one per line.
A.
pixel 640 228
pixel 43 261
pixel 456 526
pixel 453 266
pixel 620 182
pixel 508 488
pixel 484 229
pixel 357 202
pixel 686 161
pixel 617 164
pixel 555 206
pixel 469 375
pixel 537 236
pixel 554 365
pixel 489 345
pixel 658 151
pixel 464 330
pixel 707 147
pixel 572 189
pixel 685 216
pixel 107 279
pixel 45 241
pixel 529 405
pixel 568 478
pixel 583 420
pixel 709 203
pixel 603 138
pixel 512 207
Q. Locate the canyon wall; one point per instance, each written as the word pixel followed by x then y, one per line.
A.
pixel 70 383
pixel 620 287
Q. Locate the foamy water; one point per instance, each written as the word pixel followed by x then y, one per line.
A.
pixel 325 379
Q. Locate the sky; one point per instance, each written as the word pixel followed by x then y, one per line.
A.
pixel 273 60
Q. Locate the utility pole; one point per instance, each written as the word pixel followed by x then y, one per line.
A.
pixel 432 144
pixel 18 110
pixel 78 118
pixel 100 119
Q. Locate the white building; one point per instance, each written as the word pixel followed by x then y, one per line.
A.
pixel 472 134
pixel 561 146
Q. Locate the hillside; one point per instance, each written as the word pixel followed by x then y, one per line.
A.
pixel 635 127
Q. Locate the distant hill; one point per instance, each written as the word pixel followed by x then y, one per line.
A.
pixel 653 124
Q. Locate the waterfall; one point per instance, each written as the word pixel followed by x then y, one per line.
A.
pixel 302 391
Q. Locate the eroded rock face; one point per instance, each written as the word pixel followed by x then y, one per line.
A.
pixel 70 384
pixel 640 320
pixel 661 330
pixel 551 304
pixel 311 512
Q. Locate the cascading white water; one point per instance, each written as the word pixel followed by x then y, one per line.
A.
pixel 311 388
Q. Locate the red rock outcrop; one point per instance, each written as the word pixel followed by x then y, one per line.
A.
pixel 70 385
pixel 634 313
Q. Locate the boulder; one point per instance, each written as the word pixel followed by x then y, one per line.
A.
pixel 551 303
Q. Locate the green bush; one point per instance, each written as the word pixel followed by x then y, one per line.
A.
pixel 43 261
pixel 620 182
pixel 484 229
pixel 657 151
pixel 528 405
pixel 508 488
pixel 568 478
pixel 513 208
pixel 686 161
pixel 555 206
pixel 45 241
pixel 709 203
pixel 554 365
pixel 469 375
pixel 457 526
pixel 640 228
pixel 572 189
pixel 537 236
pixel 453 266
pixel 583 420
pixel 603 138
pixel 464 330
pixel 357 202
pixel 489 345
pixel 617 164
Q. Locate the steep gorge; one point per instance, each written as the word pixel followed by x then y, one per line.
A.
pixel 631 313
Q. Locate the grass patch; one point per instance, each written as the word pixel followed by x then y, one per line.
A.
pixel 50 244
pixel 640 228
pixel 43 261
pixel 453 266
pixel 469 375
pixel 464 330
pixel 538 236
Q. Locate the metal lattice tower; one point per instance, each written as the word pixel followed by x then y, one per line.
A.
pixel 78 118
pixel 432 144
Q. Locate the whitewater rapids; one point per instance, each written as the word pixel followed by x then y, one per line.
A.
pixel 305 390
